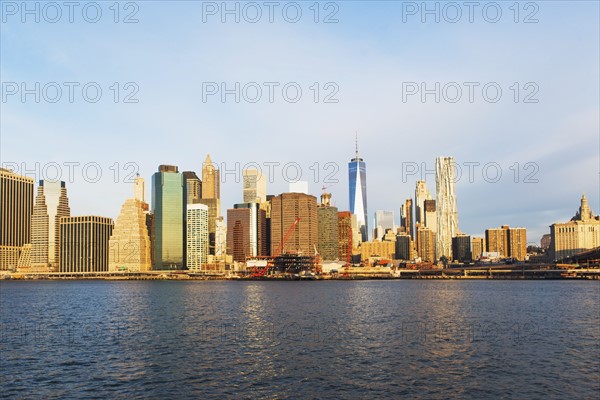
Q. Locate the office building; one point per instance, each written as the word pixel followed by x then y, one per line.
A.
pixel 426 244
pixel 430 215
pixel 16 208
pixel 285 208
pixel 406 217
pixel 193 187
pixel 384 220
pixel 421 194
pixel 357 174
pixel 581 233
pixel 129 243
pixel 84 243
pixel 328 229
pixel 254 186
pixel 345 236
pixel 403 249
pixel 246 231
pixel 169 213
pixel 461 248
pixel 51 204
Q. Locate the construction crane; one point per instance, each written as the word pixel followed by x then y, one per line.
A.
pixel 270 261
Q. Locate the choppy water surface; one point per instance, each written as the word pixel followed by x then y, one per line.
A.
pixel 336 339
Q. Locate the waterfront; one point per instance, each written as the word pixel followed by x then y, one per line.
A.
pixel 336 339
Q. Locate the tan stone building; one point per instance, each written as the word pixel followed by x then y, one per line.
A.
pixel 129 243
pixel 477 247
pixel 426 244
pixel 16 207
pixel 581 233
pixel 385 249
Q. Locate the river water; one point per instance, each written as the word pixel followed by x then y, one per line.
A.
pixel 322 339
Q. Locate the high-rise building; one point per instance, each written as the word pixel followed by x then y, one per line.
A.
pixel 51 204
pixel 345 243
pixel 507 242
pixel 285 208
pixel 129 244
pixel 84 243
pixel 581 233
pixel 193 187
pixel 196 236
pixel 384 220
pixel 406 217
pixel 139 189
pixel 461 248
pixel 16 208
pixel 447 214
pixel 421 194
pixel 246 231
pixel 357 174
pixel 328 229
pixel 426 244
pixel 477 247
pixel 169 213
pixel 430 215
pixel 254 186
pixel 403 247
pixel 211 180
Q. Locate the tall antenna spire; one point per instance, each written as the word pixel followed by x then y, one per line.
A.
pixel 356 145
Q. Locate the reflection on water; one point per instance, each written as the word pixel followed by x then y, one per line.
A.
pixel 342 339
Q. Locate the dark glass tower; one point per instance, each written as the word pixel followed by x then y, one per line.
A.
pixel 168 207
pixel 357 173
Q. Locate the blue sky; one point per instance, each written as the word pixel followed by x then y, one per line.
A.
pixel 369 54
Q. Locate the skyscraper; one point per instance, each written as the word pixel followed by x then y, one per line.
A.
pixel 254 186
pixel 285 208
pixel 357 174
pixel 246 231
pixel 16 207
pixel 51 204
pixel 84 243
pixel 447 214
pixel 328 229
pixel 345 236
pixel 193 187
pixel 421 194
pixel 430 215
pixel 129 244
pixel 196 236
pixel 406 217
pixel 425 244
pixel 384 220
pixel 169 212
pixel 211 180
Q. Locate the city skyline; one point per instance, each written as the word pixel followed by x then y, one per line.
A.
pixel 171 123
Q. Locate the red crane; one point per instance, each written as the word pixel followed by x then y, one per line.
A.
pixel 270 260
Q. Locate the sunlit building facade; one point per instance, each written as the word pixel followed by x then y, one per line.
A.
pixel 357 174
pixel 169 212
pixel 16 208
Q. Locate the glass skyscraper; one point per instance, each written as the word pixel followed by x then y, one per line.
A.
pixel 169 209
pixel 357 173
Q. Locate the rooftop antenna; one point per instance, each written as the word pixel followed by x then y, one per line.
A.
pixel 356 144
